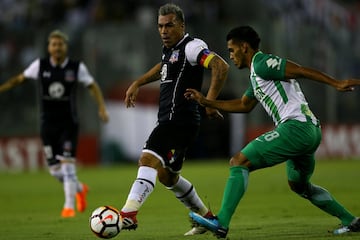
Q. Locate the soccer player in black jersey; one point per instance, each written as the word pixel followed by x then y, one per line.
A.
pixel 58 77
pixel 184 59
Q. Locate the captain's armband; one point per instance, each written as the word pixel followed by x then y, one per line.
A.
pixel 206 58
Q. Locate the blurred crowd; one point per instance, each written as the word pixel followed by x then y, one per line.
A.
pixel 20 14
pixel 327 31
pixel 20 18
pixel 340 18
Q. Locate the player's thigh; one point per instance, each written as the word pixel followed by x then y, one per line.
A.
pixel 50 138
pixel 266 150
pixel 306 140
pixel 170 142
pixel 69 139
pixel 285 142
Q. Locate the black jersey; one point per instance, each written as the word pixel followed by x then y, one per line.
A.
pixel 58 91
pixel 177 74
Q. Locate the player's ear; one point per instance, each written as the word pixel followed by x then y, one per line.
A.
pixel 244 47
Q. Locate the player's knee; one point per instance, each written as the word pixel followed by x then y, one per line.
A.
pixel 167 178
pixel 56 171
pixel 167 181
pixel 69 171
pixel 300 189
pixel 149 160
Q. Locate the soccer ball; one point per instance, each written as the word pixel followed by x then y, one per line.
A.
pixel 105 222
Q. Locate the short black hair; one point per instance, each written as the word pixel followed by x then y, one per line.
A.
pixel 171 8
pixel 246 34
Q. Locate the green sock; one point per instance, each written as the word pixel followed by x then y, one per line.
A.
pixel 234 190
pixel 321 198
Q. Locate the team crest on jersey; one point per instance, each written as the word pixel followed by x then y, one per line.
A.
pixel 69 75
pixel 56 90
pixel 174 56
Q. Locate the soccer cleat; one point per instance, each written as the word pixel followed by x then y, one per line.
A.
pixel 81 198
pixel 196 231
pixel 68 213
pixel 196 228
pixel 129 221
pixel 211 224
pixel 353 227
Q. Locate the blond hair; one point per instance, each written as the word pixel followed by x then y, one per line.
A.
pixel 58 34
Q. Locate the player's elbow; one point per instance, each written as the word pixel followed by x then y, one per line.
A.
pixel 225 67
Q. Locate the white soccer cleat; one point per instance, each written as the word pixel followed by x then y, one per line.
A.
pixel 196 231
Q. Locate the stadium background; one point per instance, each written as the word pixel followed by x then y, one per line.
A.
pixel 118 41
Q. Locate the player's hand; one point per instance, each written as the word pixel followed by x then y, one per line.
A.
pixel 213 113
pixel 131 95
pixel 104 115
pixel 192 94
pixel 347 85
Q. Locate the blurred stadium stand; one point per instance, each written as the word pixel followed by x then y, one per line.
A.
pixel 118 41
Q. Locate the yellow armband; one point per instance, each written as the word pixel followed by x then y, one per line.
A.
pixel 206 58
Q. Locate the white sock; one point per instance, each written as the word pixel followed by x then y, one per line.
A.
pixel 79 186
pixel 186 193
pixel 56 172
pixel 70 184
pixel 141 189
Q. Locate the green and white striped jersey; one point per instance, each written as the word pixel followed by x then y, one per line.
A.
pixel 281 98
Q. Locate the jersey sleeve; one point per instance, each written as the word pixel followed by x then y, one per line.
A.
pixel 32 71
pixel 269 67
pixel 249 92
pixel 84 76
pixel 194 50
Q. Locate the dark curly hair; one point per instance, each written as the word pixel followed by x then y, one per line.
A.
pixel 244 34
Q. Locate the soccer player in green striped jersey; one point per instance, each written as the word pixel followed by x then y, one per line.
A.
pixel 294 140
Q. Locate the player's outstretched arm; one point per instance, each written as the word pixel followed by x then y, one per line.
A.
pixel 131 93
pixel 12 82
pixel 240 105
pixel 294 70
pixel 97 95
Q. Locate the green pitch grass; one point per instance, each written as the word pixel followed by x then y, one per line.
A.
pixel 30 204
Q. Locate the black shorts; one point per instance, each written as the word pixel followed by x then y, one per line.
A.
pixel 169 143
pixel 59 140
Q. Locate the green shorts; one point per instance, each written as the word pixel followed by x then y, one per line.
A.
pixel 293 142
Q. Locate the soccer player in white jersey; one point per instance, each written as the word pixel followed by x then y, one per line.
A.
pixel 294 140
pixel 182 66
pixel 58 77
